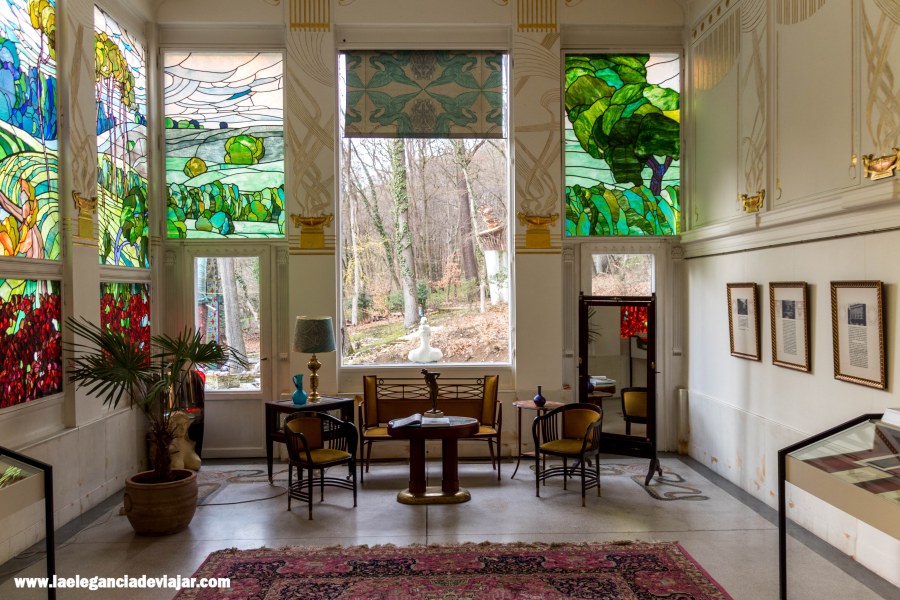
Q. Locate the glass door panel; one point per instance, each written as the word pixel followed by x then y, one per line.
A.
pixel 227 310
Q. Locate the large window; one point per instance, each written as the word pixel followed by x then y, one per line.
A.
pixel 224 144
pixel 424 207
pixel 622 144
pixel 121 87
pixel 29 206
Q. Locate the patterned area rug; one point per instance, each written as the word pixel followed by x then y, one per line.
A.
pixel 632 570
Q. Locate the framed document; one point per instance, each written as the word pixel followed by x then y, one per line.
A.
pixel 789 311
pixel 857 328
pixel 743 320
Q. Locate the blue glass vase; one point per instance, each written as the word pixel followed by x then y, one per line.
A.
pixel 299 395
pixel 539 400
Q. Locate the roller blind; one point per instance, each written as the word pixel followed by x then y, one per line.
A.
pixel 424 94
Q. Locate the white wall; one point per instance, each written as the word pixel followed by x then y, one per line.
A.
pixel 742 411
pixel 759 122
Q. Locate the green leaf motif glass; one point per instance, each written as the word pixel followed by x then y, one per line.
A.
pixel 622 145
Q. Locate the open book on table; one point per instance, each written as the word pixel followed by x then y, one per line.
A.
pixel 417 420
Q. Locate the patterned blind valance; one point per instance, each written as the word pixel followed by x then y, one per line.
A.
pixel 424 94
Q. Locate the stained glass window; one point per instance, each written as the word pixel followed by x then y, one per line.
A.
pixel 121 87
pixel 622 144
pixel 125 309
pixel 29 209
pixel 224 144
pixel 31 360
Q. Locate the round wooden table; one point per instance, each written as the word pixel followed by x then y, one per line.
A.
pixel 449 492
pixel 529 405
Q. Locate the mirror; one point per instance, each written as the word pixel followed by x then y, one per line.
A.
pixel 617 371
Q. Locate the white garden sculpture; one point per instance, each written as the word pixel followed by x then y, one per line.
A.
pixel 425 353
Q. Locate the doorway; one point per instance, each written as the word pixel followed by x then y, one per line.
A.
pixel 230 304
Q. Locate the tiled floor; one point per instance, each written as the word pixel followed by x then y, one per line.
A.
pixel 734 543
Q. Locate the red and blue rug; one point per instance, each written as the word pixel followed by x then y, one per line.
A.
pixel 614 571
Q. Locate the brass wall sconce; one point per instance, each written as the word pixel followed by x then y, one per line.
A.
pixel 312 229
pixel 537 229
pixel 752 204
pixel 86 208
pixel 882 166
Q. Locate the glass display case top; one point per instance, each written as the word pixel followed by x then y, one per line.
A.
pixel 13 471
pixel 866 455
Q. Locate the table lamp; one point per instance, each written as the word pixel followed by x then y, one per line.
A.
pixel 312 335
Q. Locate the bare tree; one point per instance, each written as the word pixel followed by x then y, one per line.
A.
pixel 369 196
pixel 405 258
pixel 227 280
pixel 353 237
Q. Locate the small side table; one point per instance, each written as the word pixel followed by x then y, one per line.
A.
pixel 529 405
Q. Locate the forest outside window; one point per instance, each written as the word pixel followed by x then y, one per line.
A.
pixel 424 206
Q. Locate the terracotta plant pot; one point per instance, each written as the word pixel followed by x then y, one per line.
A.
pixel 161 508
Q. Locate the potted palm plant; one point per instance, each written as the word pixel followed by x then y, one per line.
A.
pixel 161 501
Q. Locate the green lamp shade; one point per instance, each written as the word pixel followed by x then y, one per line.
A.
pixel 313 334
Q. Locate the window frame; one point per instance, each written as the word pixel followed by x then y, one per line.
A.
pixel 348 374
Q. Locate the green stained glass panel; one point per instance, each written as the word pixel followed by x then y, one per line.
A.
pixel 121 88
pixel 622 144
pixel 29 205
pixel 224 144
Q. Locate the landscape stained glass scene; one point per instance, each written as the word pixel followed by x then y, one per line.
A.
pixel 622 144
pixel 125 309
pixel 121 86
pixel 224 144
pixel 29 209
pixel 31 361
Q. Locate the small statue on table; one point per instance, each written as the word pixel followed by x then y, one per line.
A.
pixel 431 382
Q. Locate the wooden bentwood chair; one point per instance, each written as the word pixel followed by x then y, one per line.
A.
pixel 315 442
pixel 571 431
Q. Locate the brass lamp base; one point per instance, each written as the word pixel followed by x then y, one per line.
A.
pixel 313 365
pixel 434 413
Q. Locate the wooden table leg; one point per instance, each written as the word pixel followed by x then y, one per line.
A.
pixel 519 431
pixel 417 466
pixel 450 464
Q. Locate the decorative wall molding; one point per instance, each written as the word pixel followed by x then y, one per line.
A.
pixel 537 15
pixel 309 126
pixel 310 15
pixel 843 214
pixel 882 104
pixel 792 12
pixel 753 84
pixel 713 16
pixel 716 52
pixel 536 100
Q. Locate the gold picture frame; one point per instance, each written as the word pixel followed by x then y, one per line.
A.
pixel 743 320
pixel 789 315
pixel 857 327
